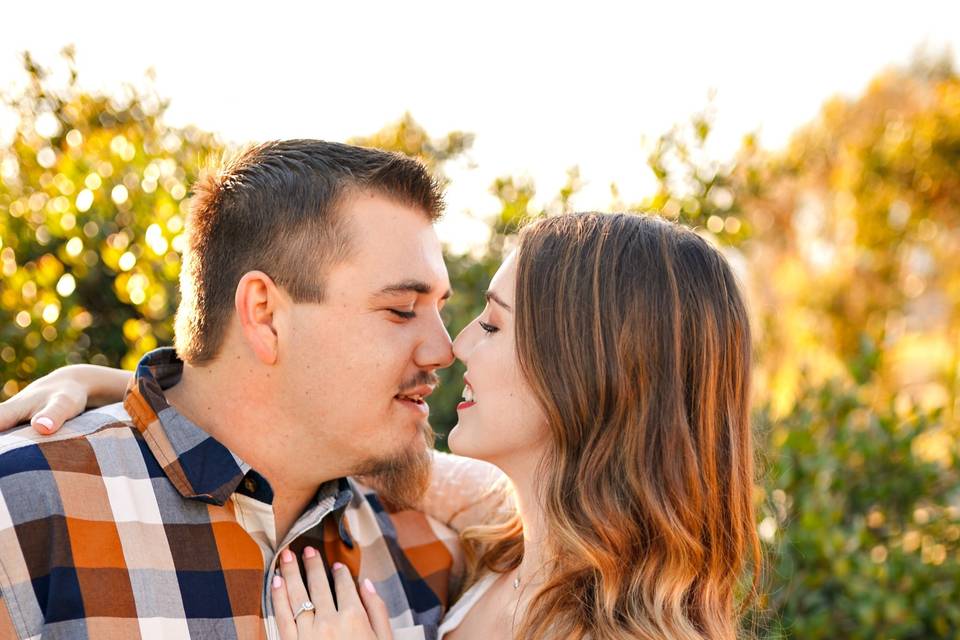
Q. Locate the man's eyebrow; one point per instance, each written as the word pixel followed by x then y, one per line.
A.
pixel 410 286
pixel 492 297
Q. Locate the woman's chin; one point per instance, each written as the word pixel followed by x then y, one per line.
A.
pixel 462 442
pixel 454 440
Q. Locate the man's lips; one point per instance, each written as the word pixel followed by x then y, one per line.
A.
pixel 422 392
pixel 415 399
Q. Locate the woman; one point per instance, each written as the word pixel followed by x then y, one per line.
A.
pixel 608 378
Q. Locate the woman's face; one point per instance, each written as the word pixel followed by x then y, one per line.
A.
pixel 499 420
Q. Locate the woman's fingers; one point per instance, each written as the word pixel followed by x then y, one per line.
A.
pixel 46 403
pixel 58 409
pixel 16 410
pixel 356 615
pixel 317 582
pixel 281 609
pixel 347 597
pixel 376 611
pixel 296 591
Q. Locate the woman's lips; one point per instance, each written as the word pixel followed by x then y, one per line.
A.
pixel 467 393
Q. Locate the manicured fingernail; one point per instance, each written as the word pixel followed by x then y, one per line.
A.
pixel 45 422
pixel 337 566
pixel 277 582
pixel 286 556
pixel 369 586
pixel 309 552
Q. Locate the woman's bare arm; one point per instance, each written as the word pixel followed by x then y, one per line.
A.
pixel 464 492
pixel 62 394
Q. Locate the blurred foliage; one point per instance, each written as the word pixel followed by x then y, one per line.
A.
pixel 856 230
pixel 861 530
pixel 845 240
pixel 406 136
pixel 93 196
pixel 692 187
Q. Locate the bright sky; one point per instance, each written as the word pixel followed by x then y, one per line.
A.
pixel 544 86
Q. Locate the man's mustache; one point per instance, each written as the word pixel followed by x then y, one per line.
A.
pixel 421 378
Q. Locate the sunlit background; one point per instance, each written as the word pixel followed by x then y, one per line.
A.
pixel 543 87
pixel 818 144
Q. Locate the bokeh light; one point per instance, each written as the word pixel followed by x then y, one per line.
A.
pixel 846 241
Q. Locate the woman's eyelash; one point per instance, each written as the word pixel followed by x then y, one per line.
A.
pixel 488 328
pixel 406 315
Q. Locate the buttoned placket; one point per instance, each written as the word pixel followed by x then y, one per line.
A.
pixel 235 483
pixel 257 518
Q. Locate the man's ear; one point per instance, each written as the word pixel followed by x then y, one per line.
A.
pixel 257 301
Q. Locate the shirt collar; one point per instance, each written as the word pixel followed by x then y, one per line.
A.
pixel 197 464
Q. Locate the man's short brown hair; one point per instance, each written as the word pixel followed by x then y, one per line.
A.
pixel 274 208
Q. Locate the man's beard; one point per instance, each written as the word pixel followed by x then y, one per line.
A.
pixel 401 479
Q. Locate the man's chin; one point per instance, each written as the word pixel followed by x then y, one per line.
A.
pixel 401 479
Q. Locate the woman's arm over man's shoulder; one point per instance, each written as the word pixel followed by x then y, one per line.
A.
pixel 465 492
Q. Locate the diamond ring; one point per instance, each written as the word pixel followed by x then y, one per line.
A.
pixel 306 606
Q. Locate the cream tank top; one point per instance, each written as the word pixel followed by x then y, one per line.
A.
pixel 461 607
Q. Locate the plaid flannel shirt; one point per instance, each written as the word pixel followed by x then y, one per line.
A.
pixel 132 522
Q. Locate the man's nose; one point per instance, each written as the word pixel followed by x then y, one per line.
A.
pixel 436 352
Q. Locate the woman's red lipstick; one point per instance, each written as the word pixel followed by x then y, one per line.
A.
pixel 466 404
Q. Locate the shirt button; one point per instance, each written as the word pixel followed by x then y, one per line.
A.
pixel 250 484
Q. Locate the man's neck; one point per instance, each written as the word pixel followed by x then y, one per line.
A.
pixel 245 421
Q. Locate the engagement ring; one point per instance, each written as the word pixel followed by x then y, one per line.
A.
pixel 306 606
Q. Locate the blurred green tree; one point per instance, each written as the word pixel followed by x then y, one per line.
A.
pixel 408 137
pixel 694 188
pixel 861 530
pixel 93 196
pixel 856 228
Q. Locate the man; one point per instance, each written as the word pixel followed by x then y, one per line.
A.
pixel 307 341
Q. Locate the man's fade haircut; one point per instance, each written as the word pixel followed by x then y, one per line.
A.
pixel 276 208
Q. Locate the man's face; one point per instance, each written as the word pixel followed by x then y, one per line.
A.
pixel 360 365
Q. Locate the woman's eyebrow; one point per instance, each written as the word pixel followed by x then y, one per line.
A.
pixel 492 297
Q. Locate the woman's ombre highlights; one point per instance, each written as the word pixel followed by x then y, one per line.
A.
pixel 633 334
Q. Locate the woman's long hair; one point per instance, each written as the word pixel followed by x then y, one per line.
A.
pixel 634 337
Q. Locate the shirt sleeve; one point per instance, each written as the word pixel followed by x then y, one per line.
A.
pixel 7 628
pixel 464 492
pixel 12 623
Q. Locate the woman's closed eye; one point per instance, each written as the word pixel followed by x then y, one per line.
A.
pixel 406 315
pixel 489 329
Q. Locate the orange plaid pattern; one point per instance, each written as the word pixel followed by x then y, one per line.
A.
pixel 124 525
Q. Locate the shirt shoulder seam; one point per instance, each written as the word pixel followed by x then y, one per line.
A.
pixel 114 424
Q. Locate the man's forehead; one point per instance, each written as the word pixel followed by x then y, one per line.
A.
pixel 393 246
pixel 419 269
pixel 406 265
